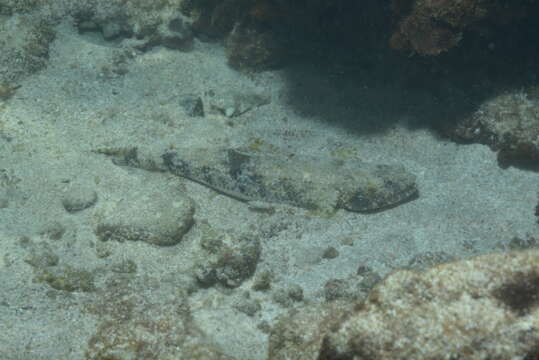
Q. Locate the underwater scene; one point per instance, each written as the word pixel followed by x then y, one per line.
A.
pixel 269 179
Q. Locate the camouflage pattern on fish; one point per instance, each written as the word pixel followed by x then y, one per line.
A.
pixel 303 181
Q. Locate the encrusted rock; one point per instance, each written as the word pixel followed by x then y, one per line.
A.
pixel 153 23
pixel 432 27
pixel 299 334
pixel 509 124
pixel 24 41
pixel 247 305
pixel 137 322
pixel 354 287
pixel 228 259
pixel 250 48
pixel 483 308
pixel 288 295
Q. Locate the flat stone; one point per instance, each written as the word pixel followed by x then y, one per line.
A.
pixel 155 215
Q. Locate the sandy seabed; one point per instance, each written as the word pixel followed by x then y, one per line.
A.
pixel 95 95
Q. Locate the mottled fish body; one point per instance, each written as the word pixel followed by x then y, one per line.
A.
pixel 304 181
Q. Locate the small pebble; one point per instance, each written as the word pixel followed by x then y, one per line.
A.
pixel 78 198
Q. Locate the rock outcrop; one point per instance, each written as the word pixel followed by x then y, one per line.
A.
pixel 483 308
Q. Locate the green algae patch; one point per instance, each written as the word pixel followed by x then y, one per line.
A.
pixel 67 278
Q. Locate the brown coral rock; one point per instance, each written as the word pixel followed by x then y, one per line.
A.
pixel 299 336
pixel 248 48
pixel 483 308
pixel 475 309
pixel 141 319
pixel 508 123
pixel 430 27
